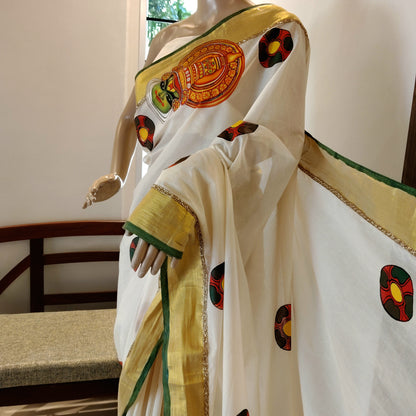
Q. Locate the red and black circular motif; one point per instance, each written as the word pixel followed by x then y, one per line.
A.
pixel 145 130
pixel 133 246
pixel 242 127
pixel 216 286
pixel 244 413
pixel 396 292
pixel 274 47
pixel 282 327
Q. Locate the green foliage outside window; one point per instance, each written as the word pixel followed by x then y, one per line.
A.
pixel 164 9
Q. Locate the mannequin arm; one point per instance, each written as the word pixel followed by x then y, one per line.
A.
pixel 123 150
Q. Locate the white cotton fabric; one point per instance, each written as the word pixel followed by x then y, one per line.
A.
pixel 242 183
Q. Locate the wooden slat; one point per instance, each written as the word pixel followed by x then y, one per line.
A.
pixel 57 392
pixel 74 298
pixel 14 273
pixel 409 168
pixel 80 257
pixel 60 229
pixel 36 275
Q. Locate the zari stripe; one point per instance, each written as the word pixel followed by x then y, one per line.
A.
pixel 390 209
pixel 140 358
pixel 166 332
pixel 369 172
pixel 143 376
pixel 235 28
pixel 194 273
pixel 182 302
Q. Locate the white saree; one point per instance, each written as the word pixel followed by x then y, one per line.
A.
pixel 293 294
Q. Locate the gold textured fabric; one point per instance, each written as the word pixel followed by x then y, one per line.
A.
pixel 158 215
pixel 376 201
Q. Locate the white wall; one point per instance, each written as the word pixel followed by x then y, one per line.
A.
pixel 361 78
pixel 67 67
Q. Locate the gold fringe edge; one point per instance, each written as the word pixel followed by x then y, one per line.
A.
pixel 357 210
pixel 165 191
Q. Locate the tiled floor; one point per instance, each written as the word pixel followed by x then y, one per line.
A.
pixel 86 407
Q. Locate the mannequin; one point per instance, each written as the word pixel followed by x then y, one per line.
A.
pixel 208 13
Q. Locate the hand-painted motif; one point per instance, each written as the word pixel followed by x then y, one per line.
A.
pixel 396 292
pixel 274 47
pixel 241 127
pixel 283 328
pixel 216 286
pixel 244 413
pixel 133 246
pixel 182 159
pixel 145 129
pixel 205 77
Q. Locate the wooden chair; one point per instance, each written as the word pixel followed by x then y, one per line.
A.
pixel 52 356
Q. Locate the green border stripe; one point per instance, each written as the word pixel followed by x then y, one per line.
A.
pixel 377 176
pixel 160 245
pixel 202 36
pixel 143 375
pixel 166 333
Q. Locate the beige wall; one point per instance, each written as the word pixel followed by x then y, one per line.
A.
pixel 66 69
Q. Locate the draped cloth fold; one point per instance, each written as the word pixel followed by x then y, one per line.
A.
pixel 295 271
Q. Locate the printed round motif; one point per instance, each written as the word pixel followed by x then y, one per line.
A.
pixel 145 130
pixel 282 327
pixel 133 246
pixel 216 286
pixel 241 127
pixel 274 47
pixel 244 413
pixel 396 292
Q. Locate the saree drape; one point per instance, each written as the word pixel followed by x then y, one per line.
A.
pixel 293 293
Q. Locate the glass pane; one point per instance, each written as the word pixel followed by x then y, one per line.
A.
pixel 167 9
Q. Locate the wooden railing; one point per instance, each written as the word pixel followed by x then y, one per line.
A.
pixel 37 259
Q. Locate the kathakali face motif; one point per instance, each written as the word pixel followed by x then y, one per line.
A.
pixel 164 95
pixel 205 77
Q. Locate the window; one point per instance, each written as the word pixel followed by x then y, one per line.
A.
pixel 164 12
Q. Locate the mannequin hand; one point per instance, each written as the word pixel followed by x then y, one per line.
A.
pixel 148 257
pixel 102 189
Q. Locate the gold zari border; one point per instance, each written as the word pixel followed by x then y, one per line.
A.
pixel 200 239
pixel 390 210
pixel 157 216
pixel 184 320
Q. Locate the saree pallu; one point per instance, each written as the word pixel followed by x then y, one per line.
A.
pixel 293 293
